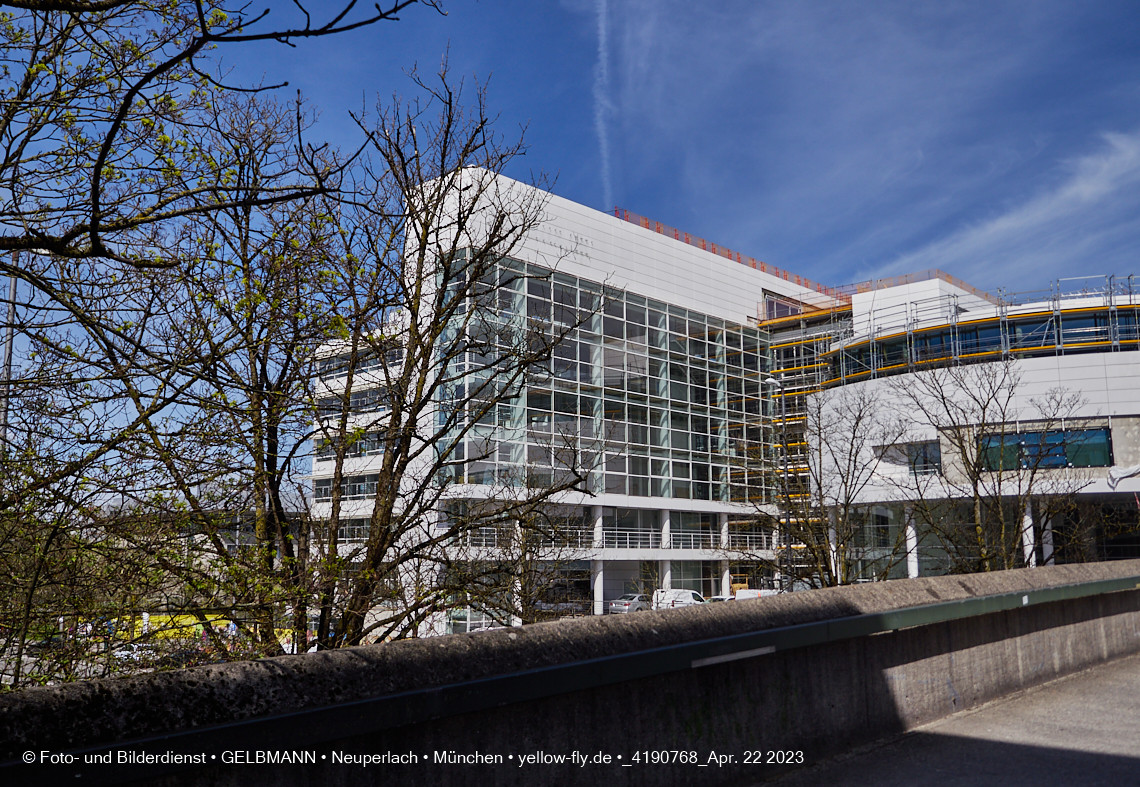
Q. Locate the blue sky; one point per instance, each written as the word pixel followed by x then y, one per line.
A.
pixel 999 141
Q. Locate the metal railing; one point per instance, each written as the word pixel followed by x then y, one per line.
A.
pixel 751 541
pixel 509 537
pixel 624 538
pixel 694 539
pixel 570 538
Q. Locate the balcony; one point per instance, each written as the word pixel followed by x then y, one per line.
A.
pixel 752 541
pixel 623 538
pixel 694 539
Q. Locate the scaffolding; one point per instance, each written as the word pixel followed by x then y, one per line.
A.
pixel 1101 315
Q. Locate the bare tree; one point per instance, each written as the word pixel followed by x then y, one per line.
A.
pixel 440 338
pixel 167 415
pixel 408 309
pixel 825 505
pixel 519 569
pixel 107 134
pixel 103 104
pixel 822 531
pixel 1005 462
pixel 250 306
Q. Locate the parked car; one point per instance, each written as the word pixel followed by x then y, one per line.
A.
pixel 630 602
pixel 714 599
pixel 669 599
pixel 139 653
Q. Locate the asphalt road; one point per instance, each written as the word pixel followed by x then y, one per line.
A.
pixel 1080 731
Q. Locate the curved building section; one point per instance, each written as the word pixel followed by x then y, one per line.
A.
pixel 1069 420
pixel 951 325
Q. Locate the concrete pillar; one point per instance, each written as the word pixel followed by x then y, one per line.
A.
pixel 725 579
pixel 597 580
pixel 1028 540
pixel 665 538
pixel 1047 556
pixel 599 526
pixel 666 568
pixel 516 600
pixel 833 543
pixel 723 518
pixel 911 544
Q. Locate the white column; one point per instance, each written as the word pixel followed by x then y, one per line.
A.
pixel 1048 558
pixel 832 542
pixel 599 526
pixel 665 567
pixel 723 531
pixel 911 544
pixel 597 578
pixel 516 600
pixel 725 579
pixel 1028 542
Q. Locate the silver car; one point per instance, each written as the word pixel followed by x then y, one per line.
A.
pixel 630 602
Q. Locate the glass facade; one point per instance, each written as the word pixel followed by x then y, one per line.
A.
pixel 1049 449
pixel 366 444
pixel 1058 334
pixel 353 487
pixel 361 400
pixel 703 576
pixel 652 399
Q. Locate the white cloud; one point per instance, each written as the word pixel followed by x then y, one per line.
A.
pixel 1074 228
pixel 845 140
pixel 602 104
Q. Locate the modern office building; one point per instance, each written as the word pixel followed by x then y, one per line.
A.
pixel 667 376
pixel 692 375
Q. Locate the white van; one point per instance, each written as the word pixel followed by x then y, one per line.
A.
pixel 747 593
pixel 668 599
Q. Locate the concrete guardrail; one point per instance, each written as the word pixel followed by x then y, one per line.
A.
pixel 729 693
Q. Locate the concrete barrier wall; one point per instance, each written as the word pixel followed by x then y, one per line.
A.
pixel 818 700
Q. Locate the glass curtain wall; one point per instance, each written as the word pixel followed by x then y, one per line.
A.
pixel 656 400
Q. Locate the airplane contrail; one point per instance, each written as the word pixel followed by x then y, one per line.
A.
pixel 602 103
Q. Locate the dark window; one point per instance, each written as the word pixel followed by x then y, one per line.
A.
pixel 353 487
pixel 1034 333
pixel 924 458
pixel 892 353
pixel 1088 328
pixel 881 525
pixel 1049 449
pixel 369 401
pixel 367 444
pixel 979 340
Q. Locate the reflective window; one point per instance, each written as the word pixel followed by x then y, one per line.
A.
pixel 637 378
pixel 1047 449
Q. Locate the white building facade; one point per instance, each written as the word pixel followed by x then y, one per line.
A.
pixel 688 381
pixel 1065 429
pixel 665 382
